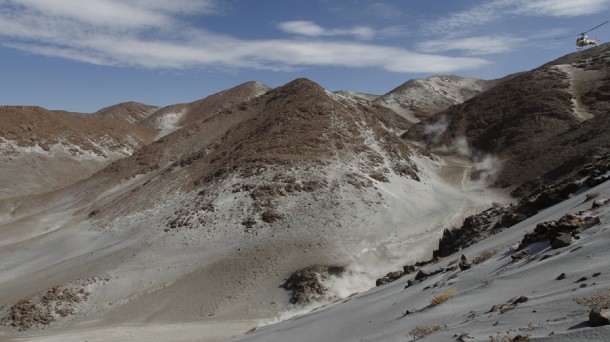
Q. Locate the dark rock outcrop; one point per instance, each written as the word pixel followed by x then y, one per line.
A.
pixel 308 284
pixel 599 317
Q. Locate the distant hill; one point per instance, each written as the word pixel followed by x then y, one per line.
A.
pixel 417 99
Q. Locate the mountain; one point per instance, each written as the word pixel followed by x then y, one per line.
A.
pixel 418 99
pixel 255 205
pixel 133 112
pixel 522 119
pixel 46 150
pixel 170 118
pixel 294 177
pixel 42 150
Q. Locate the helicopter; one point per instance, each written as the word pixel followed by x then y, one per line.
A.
pixel 583 40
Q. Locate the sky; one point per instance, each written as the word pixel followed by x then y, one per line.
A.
pixel 84 55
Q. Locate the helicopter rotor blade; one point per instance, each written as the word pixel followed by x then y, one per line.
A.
pixel 582 34
pixel 570 36
pixel 604 23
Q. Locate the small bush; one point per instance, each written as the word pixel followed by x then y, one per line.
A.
pixel 600 300
pixel 443 297
pixel 483 256
pixel 591 196
pixel 419 332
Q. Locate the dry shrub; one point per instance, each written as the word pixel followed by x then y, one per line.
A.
pixel 419 332
pixel 591 196
pixel 443 297
pixel 600 300
pixel 518 338
pixel 483 256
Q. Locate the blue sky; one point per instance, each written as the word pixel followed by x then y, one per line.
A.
pixel 83 55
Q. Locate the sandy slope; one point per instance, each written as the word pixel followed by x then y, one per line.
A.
pixel 142 278
pixel 377 315
pixel 550 314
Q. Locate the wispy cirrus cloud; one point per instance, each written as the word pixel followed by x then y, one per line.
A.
pixel 490 11
pixel 456 29
pixel 308 28
pixel 480 45
pixel 152 34
pixel 559 8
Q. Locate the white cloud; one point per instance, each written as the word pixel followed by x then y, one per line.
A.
pixel 97 12
pixel 155 38
pixel 463 20
pixel 560 8
pixel 487 12
pixel 482 45
pixel 308 28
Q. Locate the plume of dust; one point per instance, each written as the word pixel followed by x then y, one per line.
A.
pixel 369 262
pixel 486 166
pixel 434 131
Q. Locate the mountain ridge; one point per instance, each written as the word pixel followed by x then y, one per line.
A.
pixel 205 221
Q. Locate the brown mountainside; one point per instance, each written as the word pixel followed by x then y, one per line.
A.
pixel 522 118
pixel 294 177
pixel 43 150
pixel 239 190
pixel 179 115
pixel 133 112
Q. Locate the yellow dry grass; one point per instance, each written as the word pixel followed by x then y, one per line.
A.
pixel 443 297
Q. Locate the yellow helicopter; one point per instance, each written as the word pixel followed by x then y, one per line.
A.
pixel 583 40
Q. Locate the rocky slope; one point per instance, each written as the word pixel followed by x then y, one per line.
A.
pixel 43 150
pixel 522 121
pixel 46 150
pixel 132 112
pixel 295 177
pixel 173 117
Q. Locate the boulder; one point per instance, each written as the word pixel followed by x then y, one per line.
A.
pixel 390 277
pixel 599 203
pixel 464 264
pixel 518 255
pixel 598 317
pixel 308 284
pixel 421 275
pixel 562 240
pixel 408 269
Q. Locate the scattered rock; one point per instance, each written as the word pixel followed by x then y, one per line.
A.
pixel 518 255
pixel 421 275
pixel 463 337
pixel 562 240
pixel 464 264
pixel 599 203
pixel 598 317
pixel 44 309
pixel 520 300
pixel 505 309
pixel 409 269
pixel 561 276
pixel 581 280
pixel 596 274
pixel 407 313
pixel 390 277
